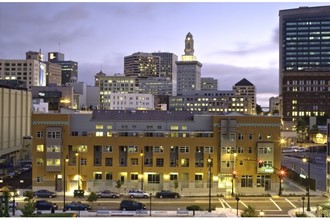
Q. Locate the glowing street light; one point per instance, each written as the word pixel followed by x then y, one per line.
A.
pixel 209 165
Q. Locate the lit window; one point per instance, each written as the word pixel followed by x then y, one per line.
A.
pixel 40 148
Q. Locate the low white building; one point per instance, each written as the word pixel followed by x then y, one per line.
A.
pixel 127 101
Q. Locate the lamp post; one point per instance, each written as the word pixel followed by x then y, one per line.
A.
pixel 308 159
pixel 280 176
pixel 150 203
pixel 64 182
pixel 303 199
pixel 77 158
pixel 232 183
pixel 209 165
pixel 142 160
pixel 237 199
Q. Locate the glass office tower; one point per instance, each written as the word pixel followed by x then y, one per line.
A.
pixel 304 45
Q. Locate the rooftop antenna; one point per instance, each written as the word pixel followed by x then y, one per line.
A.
pixel 59 46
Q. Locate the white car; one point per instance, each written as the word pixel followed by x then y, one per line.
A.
pixel 137 194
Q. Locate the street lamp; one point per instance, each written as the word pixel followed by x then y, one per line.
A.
pixel 64 181
pixel 142 160
pixel 77 158
pixel 232 183
pixel 237 199
pixel 209 165
pixel 308 159
pixel 150 203
pixel 303 199
pixel 280 176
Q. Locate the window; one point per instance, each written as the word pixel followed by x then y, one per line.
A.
pixel 133 149
pixel 208 149
pixel 228 150
pixel 198 177
pixel 260 136
pixel 173 176
pixel 40 148
pixel 99 134
pixel 240 150
pixel 53 148
pixel 269 136
pixel 83 161
pixel 39 179
pixel 40 134
pixel 108 161
pixel 174 128
pixel 158 149
pixel 107 149
pixel 154 178
pixel 97 161
pixel 134 161
pixel 54 134
pixel 265 150
pixel 53 162
pixel 40 161
pixel 184 149
pixel 246 181
pixel 97 175
pixel 240 136
pixel 185 162
pixel 109 134
pixel 134 176
pixel 108 176
pixel 99 127
pixel 250 136
pixel 250 150
pixel 159 162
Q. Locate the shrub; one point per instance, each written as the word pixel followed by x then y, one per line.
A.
pixel 193 208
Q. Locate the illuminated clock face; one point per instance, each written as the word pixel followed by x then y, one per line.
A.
pixel 188 38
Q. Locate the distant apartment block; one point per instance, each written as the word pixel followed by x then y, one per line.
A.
pixel 240 99
pixel 209 83
pixel 274 105
pixel 131 101
pixel 32 70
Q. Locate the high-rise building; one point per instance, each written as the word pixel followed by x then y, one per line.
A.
pixel 142 65
pixel 304 77
pixel 245 89
pixel 189 69
pixel 168 68
pixel 209 83
pixel 69 68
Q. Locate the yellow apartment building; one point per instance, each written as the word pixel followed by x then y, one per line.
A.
pixel 155 150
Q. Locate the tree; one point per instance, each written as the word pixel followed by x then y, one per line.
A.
pixel 249 212
pixel 29 206
pixel 176 184
pixel 258 109
pixel 118 184
pixel 92 198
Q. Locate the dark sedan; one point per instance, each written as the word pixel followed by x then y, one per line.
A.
pixel 43 193
pixel 167 194
pixel 77 206
pixel 107 194
pixel 45 205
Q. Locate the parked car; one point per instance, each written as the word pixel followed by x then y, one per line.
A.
pixel 107 194
pixel 167 194
pixel 127 204
pixel 27 167
pixel 45 205
pixel 77 206
pixel 44 193
pixel 78 193
pixel 134 193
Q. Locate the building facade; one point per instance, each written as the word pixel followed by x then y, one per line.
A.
pixel 69 69
pixel 15 124
pixel 209 83
pixel 155 150
pixel 245 89
pixel 131 101
pixel 31 70
pixel 304 76
pixel 142 65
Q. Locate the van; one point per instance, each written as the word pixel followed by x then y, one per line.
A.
pixel 127 204
pixel 78 193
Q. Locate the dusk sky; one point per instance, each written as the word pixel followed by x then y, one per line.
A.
pixel 232 40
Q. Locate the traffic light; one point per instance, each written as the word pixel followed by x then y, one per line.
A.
pixel 260 163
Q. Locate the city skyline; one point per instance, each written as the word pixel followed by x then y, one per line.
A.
pixel 232 40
